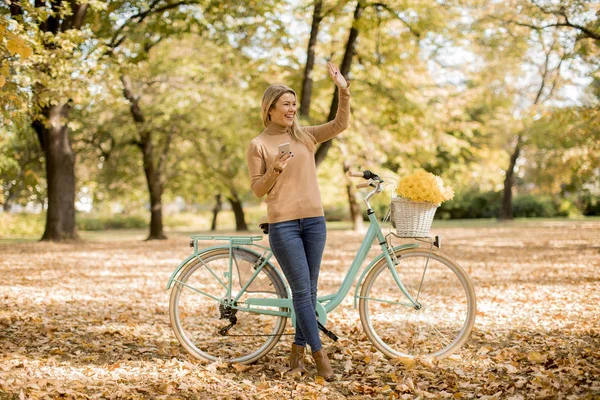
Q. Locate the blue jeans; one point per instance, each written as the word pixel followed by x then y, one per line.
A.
pixel 298 247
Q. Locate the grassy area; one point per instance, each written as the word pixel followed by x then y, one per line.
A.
pixel 22 228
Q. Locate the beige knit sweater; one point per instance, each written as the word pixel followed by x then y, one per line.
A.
pixel 293 193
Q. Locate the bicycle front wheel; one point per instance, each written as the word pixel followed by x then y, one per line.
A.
pixel 207 321
pixel 436 324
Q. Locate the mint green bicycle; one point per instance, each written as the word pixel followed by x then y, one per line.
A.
pixel 230 303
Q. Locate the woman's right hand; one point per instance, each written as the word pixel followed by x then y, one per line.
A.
pixel 281 161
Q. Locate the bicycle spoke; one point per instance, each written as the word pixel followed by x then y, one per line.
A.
pixel 422 279
pixel 211 272
pixel 196 290
pixel 444 339
pixel 436 325
pixel 215 326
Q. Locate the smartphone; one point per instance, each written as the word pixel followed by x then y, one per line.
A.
pixel 284 148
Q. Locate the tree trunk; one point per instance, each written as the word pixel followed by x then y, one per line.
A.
pixel 12 194
pixel 355 214
pixel 506 209
pixel 54 139
pixel 321 152
pixel 218 207
pixel 60 173
pixel 353 204
pixel 307 81
pixel 10 200
pixel 238 211
pixel 155 188
pixel 151 170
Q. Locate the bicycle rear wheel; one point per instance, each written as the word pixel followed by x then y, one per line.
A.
pixel 201 312
pixel 441 321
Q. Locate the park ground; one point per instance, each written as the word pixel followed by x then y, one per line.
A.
pixel 90 320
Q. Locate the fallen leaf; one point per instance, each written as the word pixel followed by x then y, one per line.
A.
pixel 535 357
pixel 241 367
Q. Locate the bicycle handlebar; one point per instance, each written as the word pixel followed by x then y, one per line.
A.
pixel 365 175
pixel 373 180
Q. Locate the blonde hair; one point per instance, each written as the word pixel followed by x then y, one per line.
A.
pixel 269 100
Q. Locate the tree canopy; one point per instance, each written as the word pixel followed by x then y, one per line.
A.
pixel 150 98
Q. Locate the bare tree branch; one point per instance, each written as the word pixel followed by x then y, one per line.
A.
pixel 589 34
pixel 139 17
pixel 397 16
pixel 557 79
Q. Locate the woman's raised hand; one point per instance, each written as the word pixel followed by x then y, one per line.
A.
pixel 336 75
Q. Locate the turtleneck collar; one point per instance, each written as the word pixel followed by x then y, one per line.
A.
pixel 276 129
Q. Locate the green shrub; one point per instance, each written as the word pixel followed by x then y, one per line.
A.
pixel 530 206
pixel 89 224
pixel 566 208
pixel 590 204
pixel 341 212
pixel 22 225
pixel 98 223
pixel 336 212
pixel 471 204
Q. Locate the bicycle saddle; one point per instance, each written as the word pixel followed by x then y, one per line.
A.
pixel 265 227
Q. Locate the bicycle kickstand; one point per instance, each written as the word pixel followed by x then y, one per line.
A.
pixel 326 331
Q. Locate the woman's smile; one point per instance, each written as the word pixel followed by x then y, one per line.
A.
pixel 284 111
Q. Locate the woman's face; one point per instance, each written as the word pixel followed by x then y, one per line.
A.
pixel 285 110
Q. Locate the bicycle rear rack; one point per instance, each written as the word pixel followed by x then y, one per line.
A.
pixel 233 240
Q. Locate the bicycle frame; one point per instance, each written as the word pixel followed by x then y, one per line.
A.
pixel 325 304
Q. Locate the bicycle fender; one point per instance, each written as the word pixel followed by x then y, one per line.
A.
pixel 375 261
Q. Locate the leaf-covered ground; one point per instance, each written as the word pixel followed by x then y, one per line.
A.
pixel 90 320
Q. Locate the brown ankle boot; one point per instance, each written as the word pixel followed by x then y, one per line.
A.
pixel 323 367
pixel 297 357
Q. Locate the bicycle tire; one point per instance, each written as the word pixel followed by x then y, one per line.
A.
pixel 446 295
pixel 198 330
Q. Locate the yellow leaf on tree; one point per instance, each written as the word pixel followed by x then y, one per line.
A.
pixel 25 51
pixel 4 70
pixel 2 81
pixel 13 46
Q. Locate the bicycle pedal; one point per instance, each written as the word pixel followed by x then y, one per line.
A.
pixel 327 332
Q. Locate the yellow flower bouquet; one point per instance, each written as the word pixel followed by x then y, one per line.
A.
pixel 419 195
pixel 423 186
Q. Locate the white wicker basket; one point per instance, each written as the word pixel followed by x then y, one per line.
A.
pixel 412 219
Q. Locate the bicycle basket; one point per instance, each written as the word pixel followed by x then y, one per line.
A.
pixel 411 219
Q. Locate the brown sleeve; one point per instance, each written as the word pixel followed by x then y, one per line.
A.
pixel 262 178
pixel 323 133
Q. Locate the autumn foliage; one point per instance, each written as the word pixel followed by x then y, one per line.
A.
pixel 90 320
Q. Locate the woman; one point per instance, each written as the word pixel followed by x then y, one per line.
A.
pixel 295 214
